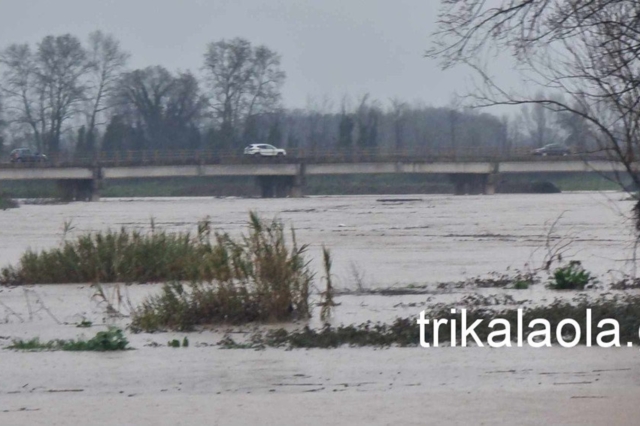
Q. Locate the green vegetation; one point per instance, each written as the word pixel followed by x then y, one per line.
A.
pixel 521 284
pixel 341 185
pixel 84 324
pixel 111 340
pixel 241 186
pixel 571 277
pixel 245 186
pixel 175 343
pixel 157 256
pixel 260 277
pixel 31 189
pixel 327 302
pixel 405 331
pixel 564 181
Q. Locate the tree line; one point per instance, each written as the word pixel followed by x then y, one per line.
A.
pixel 69 97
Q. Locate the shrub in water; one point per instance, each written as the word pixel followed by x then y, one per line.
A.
pixel 157 256
pixel 111 340
pixel 571 277
pixel 258 277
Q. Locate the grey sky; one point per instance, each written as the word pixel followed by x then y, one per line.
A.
pixel 329 47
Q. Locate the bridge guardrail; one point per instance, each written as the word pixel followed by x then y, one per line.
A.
pixel 194 157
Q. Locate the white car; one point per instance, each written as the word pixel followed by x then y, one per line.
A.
pixel 264 150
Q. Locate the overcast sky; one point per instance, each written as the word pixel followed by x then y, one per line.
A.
pixel 329 47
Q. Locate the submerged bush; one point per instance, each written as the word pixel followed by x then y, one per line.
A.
pixel 157 256
pixel 571 277
pixel 125 256
pixel 406 332
pixel 111 340
pixel 259 277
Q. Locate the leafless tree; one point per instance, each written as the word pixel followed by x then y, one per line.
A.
pixel 167 105
pixel 3 125
pixel 61 65
pixel 107 61
pixel 243 80
pixel 586 50
pixel 399 116
pixel 22 91
pixel 367 116
pixel 44 87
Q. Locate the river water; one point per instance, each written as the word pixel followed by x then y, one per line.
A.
pixel 380 241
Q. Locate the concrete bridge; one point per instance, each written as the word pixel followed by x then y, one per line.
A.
pixel 281 177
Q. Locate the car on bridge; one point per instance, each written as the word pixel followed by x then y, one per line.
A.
pixel 26 155
pixel 552 149
pixel 264 150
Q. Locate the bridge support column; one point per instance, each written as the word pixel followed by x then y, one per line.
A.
pixel 491 183
pixel 96 184
pixel 299 181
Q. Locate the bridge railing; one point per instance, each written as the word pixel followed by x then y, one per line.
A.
pixel 207 156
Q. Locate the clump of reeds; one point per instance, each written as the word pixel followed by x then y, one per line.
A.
pixel 153 256
pixel 327 302
pixel 111 256
pixel 258 277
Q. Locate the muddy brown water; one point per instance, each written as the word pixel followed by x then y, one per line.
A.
pixel 378 241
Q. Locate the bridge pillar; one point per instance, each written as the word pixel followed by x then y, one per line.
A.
pixel 96 184
pixel 491 183
pixel 299 181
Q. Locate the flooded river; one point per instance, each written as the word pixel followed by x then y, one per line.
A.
pixel 385 241
pixel 377 242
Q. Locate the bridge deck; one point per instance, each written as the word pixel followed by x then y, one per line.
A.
pixel 148 166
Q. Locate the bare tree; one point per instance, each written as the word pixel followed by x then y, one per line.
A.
pixel 61 65
pixel 367 116
pixel 242 81
pixel 107 61
pixel 168 105
pixel 22 92
pixel 587 50
pixel 399 116
pixel 3 125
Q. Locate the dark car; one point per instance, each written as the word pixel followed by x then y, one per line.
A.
pixel 25 155
pixel 552 149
